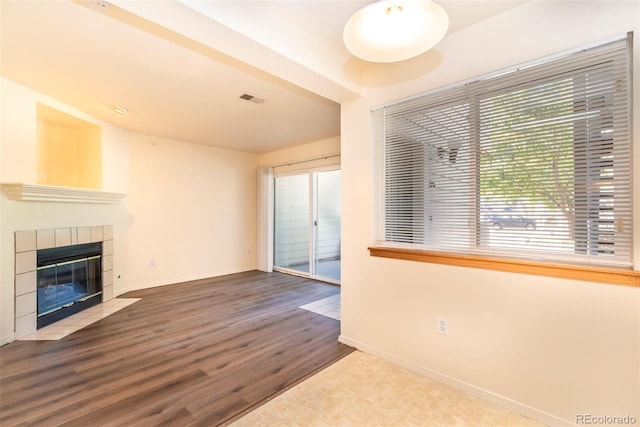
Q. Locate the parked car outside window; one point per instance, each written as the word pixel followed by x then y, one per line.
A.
pixel 512 221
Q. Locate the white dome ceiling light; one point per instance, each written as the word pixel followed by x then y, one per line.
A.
pixel 395 30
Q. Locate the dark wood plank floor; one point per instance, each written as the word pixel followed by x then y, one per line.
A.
pixel 194 354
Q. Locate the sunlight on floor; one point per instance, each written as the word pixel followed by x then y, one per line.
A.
pixel 329 307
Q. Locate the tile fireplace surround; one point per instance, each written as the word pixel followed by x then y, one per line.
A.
pixel 27 243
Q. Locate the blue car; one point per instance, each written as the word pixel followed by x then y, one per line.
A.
pixel 512 221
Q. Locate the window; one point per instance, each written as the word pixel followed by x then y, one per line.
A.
pixel 533 163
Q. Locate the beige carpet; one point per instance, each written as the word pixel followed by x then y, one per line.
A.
pixel 362 390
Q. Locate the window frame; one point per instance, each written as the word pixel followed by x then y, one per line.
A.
pixel 581 271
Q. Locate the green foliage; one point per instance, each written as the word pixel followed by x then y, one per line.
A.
pixel 527 151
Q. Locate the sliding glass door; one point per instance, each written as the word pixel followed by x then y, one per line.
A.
pixel 327 225
pixel 307 224
pixel 292 236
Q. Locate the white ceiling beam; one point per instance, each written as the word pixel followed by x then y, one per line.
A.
pixel 248 33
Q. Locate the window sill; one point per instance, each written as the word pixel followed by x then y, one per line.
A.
pixel 589 274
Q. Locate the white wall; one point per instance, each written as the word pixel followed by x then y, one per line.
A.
pixel 192 211
pixel 19 164
pixel 19 143
pixel 548 347
pixel 312 150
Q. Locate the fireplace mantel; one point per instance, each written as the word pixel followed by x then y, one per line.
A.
pixel 49 193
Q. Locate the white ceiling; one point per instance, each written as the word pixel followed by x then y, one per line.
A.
pixel 179 67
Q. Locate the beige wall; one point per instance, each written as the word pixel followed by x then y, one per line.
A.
pixel 69 156
pixel 19 139
pixel 192 211
pixel 312 150
pixel 548 347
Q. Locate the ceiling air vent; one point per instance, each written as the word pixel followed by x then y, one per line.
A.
pixel 251 98
pixel 97 4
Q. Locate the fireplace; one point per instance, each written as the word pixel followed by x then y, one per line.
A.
pixel 69 280
pixel 43 255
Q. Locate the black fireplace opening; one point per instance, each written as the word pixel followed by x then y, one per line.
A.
pixel 69 280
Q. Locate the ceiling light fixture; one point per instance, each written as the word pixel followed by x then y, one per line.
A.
pixel 120 110
pixel 395 30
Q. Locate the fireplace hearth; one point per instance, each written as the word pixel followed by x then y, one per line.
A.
pixel 35 289
pixel 69 280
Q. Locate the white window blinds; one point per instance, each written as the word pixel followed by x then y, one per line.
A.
pixel 534 163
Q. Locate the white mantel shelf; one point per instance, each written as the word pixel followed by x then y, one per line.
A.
pixel 49 193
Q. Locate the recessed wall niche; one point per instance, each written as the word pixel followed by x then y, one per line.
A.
pixel 69 150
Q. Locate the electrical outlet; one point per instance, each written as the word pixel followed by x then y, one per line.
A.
pixel 443 325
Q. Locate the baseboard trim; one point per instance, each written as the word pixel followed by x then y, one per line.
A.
pixel 7 340
pixel 520 408
pixel 119 292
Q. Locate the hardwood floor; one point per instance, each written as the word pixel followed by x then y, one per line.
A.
pixel 194 354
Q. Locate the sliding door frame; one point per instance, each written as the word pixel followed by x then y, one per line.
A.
pixel 312 174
